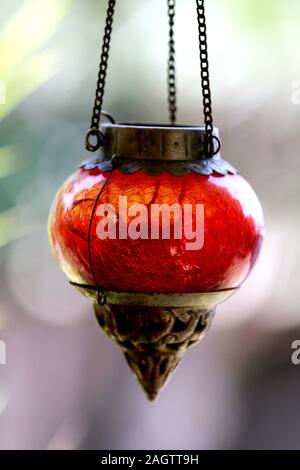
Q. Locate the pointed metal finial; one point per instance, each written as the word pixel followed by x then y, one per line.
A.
pixel 153 339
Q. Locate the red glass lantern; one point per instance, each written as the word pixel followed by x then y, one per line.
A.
pixel 159 295
pixel 157 230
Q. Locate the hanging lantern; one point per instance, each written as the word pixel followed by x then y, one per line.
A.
pixel 157 230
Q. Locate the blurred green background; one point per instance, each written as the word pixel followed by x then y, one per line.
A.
pixel 65 385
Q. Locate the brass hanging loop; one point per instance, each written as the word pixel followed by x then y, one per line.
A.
pixel 94 138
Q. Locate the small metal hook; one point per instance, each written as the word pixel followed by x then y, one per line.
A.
pixel 94 138
pixel 97 136
pixel 210 149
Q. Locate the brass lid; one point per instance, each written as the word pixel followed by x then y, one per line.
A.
pixel 156 141
pixel 158 148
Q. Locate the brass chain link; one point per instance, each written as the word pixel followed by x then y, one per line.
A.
pixel 210 149
pixel 171 64
pixel 94 138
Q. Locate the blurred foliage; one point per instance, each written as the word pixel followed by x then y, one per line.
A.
pixel 24 67
pixel 10 226
pixel 264 16
pixel 8 161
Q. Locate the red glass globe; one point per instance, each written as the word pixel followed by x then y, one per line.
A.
pixel 233 232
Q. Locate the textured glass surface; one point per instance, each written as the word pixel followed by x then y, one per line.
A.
pixel 233 232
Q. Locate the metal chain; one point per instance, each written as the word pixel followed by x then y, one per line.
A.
pixel 210 149
pixel 171 64
pixel 94 137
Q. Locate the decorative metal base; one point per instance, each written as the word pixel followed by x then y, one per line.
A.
pixel 154 330
pixel 153 339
